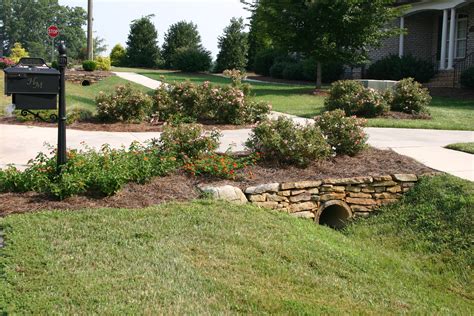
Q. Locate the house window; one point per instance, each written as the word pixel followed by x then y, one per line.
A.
pixel 460 44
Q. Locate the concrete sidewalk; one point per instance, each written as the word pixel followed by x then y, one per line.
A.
pixel 20 143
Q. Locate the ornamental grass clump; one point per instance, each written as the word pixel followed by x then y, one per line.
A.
pixel 125 104
pixel 410 97
pixel 345 134
pixel 284 141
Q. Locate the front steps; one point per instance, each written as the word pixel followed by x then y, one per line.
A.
pixel 443 79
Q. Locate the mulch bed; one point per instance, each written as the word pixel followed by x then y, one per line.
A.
pixel 406 116
pixel 115 127
pixel 181 187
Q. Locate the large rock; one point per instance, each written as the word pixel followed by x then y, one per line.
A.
pixel 227 193
pixel 405 177
pixel 263 188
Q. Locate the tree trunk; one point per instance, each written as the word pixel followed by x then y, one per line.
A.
pixel 319 76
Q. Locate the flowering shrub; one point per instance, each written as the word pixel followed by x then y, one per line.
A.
pixel 345 134
pixel 205 102
pixel 351 97
pixel 188 141
pixel 220 166
pixel 287 142
pixel 88 171
pixel 6 62
pixel 236 76
pixel 124 104
pixel 78 115
pixel 410 97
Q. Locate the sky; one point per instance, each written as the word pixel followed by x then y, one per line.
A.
pixel 112 18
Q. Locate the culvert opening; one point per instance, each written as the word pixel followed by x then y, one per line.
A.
pixel 334 214
pixel 85 83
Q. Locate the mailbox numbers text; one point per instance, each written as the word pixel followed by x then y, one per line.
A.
pixel 34 83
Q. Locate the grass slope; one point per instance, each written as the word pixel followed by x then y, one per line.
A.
pixel 78 96
pixel 464 147
pixel 447 113
pixel 211 257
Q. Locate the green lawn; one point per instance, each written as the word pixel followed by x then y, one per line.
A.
pixel 215 258
pixel 464 147
pixel 77 96
pixel 447 113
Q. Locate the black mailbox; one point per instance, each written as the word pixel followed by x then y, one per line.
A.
pixel 32 84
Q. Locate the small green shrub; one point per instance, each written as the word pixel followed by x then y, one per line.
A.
pixel 396 68
pixel 351 97
pixel 467 78
pixel 89 65
pixel 78 115
pixel 88 171
pixel 284 141
pixel 55 65
pixel 192 60
pixel 410 97
pixel 103 63
pixel 188 141
pixel 124 104
pixel 345 134
pixel 276 71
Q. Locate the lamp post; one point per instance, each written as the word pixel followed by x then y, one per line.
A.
pixel 62 63
pixel 90 38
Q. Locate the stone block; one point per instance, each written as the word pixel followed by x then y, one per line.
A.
pixel 360 208
pixel 305 206
pixel 368 190
pixel 353 189
pixel 355 180
pixel 382 178
pixel 405 177
pixel 313 191
pixel 288 186
pixel 332 196
pixel 305 214
pixel 276 198
pixel 300 198
pixel 284 193
pixel 307 184
pixel 360 201
pixel 263 188
pixel 385 195
pixel 394 189
pixel 384 184
pixel 297 192
pixel 360 195
pixel 257 198
pixel 227 193
pixel 380 189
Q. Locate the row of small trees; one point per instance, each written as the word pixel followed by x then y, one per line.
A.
pixel 182 48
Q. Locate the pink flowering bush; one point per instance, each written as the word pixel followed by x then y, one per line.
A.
pixel 344 134
pixel 351 97
pixel 124 104
pixel 284 141
pixel 206 102
pixel 6 62
pixel 410 97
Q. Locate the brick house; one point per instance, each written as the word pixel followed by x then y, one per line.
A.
pixel 441 31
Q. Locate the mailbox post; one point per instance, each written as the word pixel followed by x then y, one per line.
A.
pixel 62 63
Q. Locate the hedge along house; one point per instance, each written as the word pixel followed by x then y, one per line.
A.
pixel 440 31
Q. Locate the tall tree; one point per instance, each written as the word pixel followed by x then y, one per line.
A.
pixel 327 30
pixel 26 22
pixel 142 43
pixel 233 45
pixel 180 36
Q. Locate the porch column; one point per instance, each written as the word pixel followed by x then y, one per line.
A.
pixel 401 43
pixel 452 28
pixel 444 38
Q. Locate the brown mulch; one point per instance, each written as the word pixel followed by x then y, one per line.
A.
pixel 116 127
pixel 181 187
pixel 406 116
pixel 455 93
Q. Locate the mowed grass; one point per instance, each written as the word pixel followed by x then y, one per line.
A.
pixel 216 258
pixel 78 96
pixel 447 113
pixel 464 147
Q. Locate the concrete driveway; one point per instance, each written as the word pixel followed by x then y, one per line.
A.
pixel 20 143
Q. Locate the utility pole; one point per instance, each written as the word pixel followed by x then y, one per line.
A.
pixel 90 35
